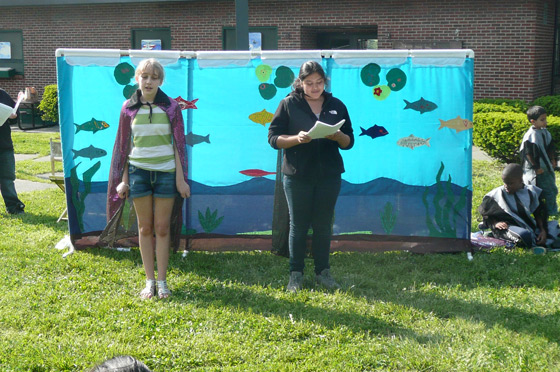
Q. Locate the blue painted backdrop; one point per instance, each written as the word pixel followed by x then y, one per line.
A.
pixel 409 172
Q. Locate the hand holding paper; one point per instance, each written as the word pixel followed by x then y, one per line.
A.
pixel 6 111
pixel 321 130
pixel 20 97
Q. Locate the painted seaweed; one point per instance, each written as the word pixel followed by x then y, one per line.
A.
pixel 77 201
pixel 388 218
pixel 447 207
pixel 209 220
pixel 78 198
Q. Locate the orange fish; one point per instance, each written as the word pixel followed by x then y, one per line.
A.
pixel 261 117
pixel 458 124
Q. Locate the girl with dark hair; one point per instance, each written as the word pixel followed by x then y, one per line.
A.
pixel 312 168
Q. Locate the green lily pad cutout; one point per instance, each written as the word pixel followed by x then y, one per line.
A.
pixel 129 90
pixel 263 72
pixel 267 91
pixel 380 92
pixel 396 79
pixel 124 72
pixel 284 77
pixel 370 74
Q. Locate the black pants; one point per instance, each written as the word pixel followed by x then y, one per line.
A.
pixel 311 203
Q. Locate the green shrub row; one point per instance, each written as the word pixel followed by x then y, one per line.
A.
pixel 550 103
pixel 516 105
pixel 49 103
pixel 499 124
pixel 479 108
pixel 499 134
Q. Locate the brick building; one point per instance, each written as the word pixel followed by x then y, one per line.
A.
pixel 514 41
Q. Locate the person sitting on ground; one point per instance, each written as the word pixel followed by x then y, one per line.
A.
pixel 517 212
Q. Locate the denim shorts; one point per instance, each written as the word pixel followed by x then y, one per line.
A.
pixel 144 182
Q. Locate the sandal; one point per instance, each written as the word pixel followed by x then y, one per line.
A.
pixel 163 291
pixel 150 290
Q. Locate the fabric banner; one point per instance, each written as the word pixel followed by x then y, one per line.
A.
pixel 409 173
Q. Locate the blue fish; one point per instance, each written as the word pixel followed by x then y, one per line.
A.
pixel 89 152
pixel 421 105
pixel 374 132
pixel 194 139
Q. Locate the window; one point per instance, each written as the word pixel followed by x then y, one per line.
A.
pixel 12 56
pixel 151 38
pixel 340 37
pixel 556 65
pixel 346 40
pixel 268 37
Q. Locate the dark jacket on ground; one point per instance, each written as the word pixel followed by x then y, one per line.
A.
pixel 320 157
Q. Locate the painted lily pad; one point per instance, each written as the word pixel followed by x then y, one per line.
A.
pixel 380 92
pixel 124 72
pixel 284 77
pixel 396 79
pixel 129 90
pixel 267 91
pixel 263 72
pixel 370 74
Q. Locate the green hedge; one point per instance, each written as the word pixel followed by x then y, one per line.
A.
pixel 550 103
pixel 479 107
pixel 499 134
pixel 49 103
pixel 516 104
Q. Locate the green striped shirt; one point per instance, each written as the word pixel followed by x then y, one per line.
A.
pixel 152 144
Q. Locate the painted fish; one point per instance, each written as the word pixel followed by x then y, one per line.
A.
pixel 261 117
pixel 255 172
pixel 89 152
pixel 194 139
pixel 374 132
pixel 184 104
pixel 92 126
pixel 412 141
pixel 458 124
pixel 421 105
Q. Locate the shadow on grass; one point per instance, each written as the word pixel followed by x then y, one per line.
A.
pixel 40 220
pixel 225 280
pixel 443 271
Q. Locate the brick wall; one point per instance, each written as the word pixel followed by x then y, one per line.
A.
pixel 512 41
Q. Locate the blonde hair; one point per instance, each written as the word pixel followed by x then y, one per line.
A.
pixel 150 64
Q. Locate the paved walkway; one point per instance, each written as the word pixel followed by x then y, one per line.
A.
pixel 25 185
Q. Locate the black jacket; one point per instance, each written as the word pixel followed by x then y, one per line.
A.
pixel 320 157
pixel 5 130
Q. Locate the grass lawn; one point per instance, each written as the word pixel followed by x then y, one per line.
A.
pixel 397 311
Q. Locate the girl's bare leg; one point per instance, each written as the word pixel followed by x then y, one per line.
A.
pixel 162 220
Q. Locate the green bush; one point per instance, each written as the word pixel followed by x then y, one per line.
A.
pixel 49 104
pixel 479 107
pixel 499 134
pixel 517 104
pixel 550 103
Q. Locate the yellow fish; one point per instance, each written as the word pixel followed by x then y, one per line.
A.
pixel 458 124
pixel 261 117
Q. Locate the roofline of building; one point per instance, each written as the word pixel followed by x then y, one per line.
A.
pixel 5 3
